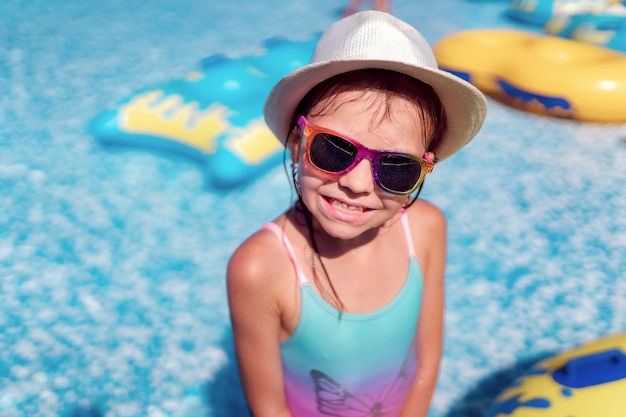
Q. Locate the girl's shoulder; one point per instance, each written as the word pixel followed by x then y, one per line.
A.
pixel 258 263
pixel 260 280
pixel 424 215
pixel 429 231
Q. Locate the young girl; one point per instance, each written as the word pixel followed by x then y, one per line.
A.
pixel 337 305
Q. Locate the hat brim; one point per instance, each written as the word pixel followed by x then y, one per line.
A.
pixel 465 106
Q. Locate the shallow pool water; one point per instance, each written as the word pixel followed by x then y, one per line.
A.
pixel 112 297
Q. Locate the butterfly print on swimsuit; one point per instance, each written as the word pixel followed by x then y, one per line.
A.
pixel 334 400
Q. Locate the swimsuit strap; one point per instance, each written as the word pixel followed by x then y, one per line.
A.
pixel 302 280
pixel 407 233
pixel 273 227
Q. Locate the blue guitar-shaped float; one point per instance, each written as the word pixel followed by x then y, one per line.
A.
pixel 213 115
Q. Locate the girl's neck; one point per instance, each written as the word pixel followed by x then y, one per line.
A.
pixel 328 246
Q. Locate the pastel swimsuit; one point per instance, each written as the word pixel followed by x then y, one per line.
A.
pixel 349 365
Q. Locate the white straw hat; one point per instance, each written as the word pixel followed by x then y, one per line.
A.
pixel 374 39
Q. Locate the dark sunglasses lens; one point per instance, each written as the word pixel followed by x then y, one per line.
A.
pixel 398 173
pixel 331 153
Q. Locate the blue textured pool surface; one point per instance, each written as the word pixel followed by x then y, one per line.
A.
pixel 112 296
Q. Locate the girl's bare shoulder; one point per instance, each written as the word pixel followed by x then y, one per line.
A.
pixel 427 217
pixel 258 263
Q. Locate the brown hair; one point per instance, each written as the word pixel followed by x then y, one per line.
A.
pixel 394 85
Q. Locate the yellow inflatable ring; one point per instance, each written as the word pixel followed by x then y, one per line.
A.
pixel 540 74
pixel 587 381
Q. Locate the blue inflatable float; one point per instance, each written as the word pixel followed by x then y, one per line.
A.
pixel 539 12
pixel 607 30
pixel 213 115
pixel 597 22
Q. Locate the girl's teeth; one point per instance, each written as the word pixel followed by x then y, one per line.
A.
pixel 345 206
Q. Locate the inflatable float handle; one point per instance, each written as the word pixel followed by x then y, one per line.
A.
pixel 595 369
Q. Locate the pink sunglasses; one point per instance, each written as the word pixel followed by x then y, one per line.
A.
pixel 335 154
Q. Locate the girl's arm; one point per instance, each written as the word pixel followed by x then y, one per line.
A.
pixel 253 295
pixel 429 227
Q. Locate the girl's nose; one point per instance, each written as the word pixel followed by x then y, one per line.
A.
pixel 360 180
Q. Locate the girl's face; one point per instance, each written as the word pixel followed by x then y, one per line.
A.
pixel 350 205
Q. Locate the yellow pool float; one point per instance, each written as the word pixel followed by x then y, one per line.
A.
pixel 540 74
pixel 588 381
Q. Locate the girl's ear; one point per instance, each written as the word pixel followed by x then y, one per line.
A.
pixel 293 144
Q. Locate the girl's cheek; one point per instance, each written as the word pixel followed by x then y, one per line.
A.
pixel 310 178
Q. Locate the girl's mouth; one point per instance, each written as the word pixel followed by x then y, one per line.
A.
pixel 341 205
